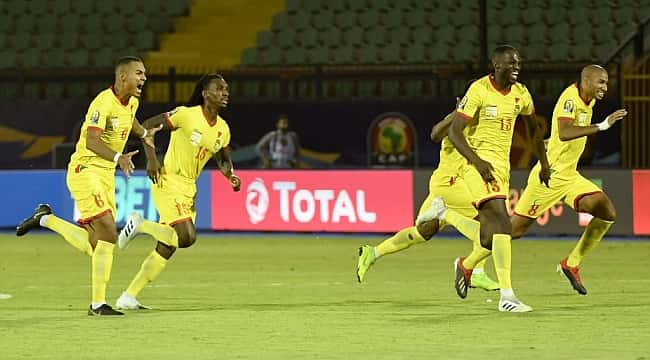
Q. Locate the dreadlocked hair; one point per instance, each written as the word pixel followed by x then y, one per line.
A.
pixel 197 94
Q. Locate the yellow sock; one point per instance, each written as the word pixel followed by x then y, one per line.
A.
pixel 502 255
pixel 470 228
pixel 400 241
pixel 151 267
pixel 163 233
pixel 74 235
pixel 478 254
pixel 592 235
pixel 101 264
pixel 481 264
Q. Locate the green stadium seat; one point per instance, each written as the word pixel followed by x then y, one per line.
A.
pixel 17 7
pixel 367 88
pixel 249 57
pixel 390 54
pixel 344 55
pixel 70 23
pixel 368 55
pixel 8 60
pixel 264 39
pixel 439 52
pixel 285 39
pixel 128 7
pixel 377 36
pixel 423 35
pixel 92 41
pixel 145 40
pixel 464 52
pixel 312 6
pixel 54 58
pixel 536 33
pixel 177 8
pixel 160 24
pixel 368 19
pixel 78 58
pixel 415 54
pixel 559 52
pixel 270 56
pixel 405 5
pixel 295 56
pixel 400 36
pixel 353 36
pixel 83 7
pixel 300 20
pixel 29 58
pixel 280 21
pixel 46 25
pixel 581 33
pixel 357 6
pixel 393 19
pixel 333 37
pixel 22 41
pixel 44 41
pixel 323 20
pixel 535 51
pixel 336 6
pixel 105 7
pixel 114 24
pixel 382 5
pixel 102 58
pixel 445 34
pixel 318 56
pixel 117 41
pixel 4 41
pixel 532 15
pixel 93 23
pixel 415 19
pixel 559 33
pixel 135 24
pixel 69 40
pixel 25 23
pixel 582 52
pixel 54 91
pixel 309 38
pixel 293 5
pixel 6 23
pixel 463 16
pixel 345 20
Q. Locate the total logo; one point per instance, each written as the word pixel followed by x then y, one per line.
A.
pixel 305 205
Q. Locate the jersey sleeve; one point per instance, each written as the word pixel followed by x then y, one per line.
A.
pixel 174 118
pixel 98 113
pixel 566 109
pixel 528 106
pixel 471 102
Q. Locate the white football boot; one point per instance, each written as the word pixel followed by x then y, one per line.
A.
pixel 130 230
pixel 436 210
pixel 512 304
pixel 128 302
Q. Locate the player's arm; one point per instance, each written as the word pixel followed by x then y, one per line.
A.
pixel 150 127
pixel 455 133
pixel 95 144
pixel 225 166
pixel 535 133
pixel 439 130
pixel 567 131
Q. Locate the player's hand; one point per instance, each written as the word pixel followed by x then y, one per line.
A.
pixel 545 175
pixel 485 169
pixel 235 182
pixel 154 170
pixel 616 116
pixel 148 140
pixel 126 164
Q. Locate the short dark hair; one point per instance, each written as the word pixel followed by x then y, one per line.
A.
pixel 125 60
pixel 501 49
pixel 197 95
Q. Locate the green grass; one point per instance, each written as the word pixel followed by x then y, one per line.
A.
pixel 296 297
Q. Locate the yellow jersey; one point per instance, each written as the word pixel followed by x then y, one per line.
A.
pixel 193 140
pixel 450 159
pixel 114 118
pixel 496 112
pixel 563 156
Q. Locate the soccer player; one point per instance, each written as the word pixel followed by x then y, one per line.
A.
pixel 198 133
pixel 91 176
pixel 444 183
pixel 571 124
pixel 496 99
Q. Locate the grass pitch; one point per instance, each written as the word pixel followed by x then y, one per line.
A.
pixel 296 297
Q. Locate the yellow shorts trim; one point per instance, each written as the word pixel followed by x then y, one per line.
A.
pixel 93 191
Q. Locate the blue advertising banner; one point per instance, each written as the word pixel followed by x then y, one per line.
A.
pixel 24 190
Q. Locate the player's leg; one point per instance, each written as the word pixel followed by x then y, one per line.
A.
pixel 103 233
pixel 43 217
pixel 595 202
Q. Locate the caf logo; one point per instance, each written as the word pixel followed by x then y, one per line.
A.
pixel 257 201
pixel 391 141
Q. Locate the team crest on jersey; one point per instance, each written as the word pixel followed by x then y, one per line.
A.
pixel 517 108
pixel 195 137
pixel 94 118
pixel 462 103
pixel 568 106
pixel 217 146
pixel 491 111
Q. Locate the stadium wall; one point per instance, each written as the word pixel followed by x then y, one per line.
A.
pixel 381 201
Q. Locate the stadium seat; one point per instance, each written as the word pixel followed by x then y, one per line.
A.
pixel 105 7
pixel 70 23
pixel 78 58
pixel 54 91
pixel 318 56
pixel 344 55
pixel 323 20
pixel 270 56
pixel 368 55
pixel 331 38
pixel 423 35
pixel 91 41
pixel 29 58
pixel 300 20
pixel 102 58
pixel 160 24
pixel 390 54
pixel 368 19
pixel 415 54
pixel 400 36
pixel 357 6
pixel 280 21
pixel 308 38
pixel 393 19
pixel 336 6
pixel 145 40
pixel 54 58
pixel 264 39
pixel 285 39
pixel 414 19
pixel 8 59
pixel 45 41
pixel 295 56
pixel 345 20
pixel 22 41
pixel 46 24
pixel 353 36
pixel 375 37
pixel 25 23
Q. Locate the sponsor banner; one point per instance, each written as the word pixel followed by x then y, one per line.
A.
pixel 337 201
pixel 24 190
pixel 561 219
pixel 641 199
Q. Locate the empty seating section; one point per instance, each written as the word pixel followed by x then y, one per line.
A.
pixel 342 32
pixel 81 33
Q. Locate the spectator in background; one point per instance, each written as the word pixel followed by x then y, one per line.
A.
pixel 279 149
